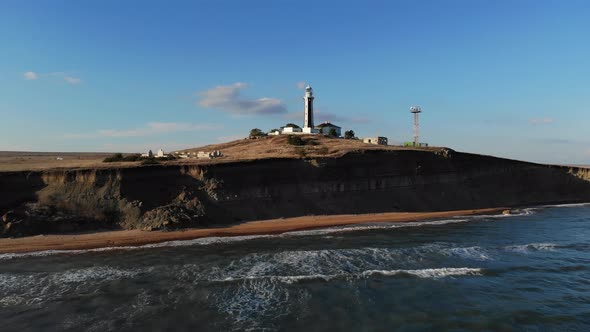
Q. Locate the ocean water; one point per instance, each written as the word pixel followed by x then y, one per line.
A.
pixel 528 272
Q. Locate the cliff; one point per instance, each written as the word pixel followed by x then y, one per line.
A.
pixel 179 195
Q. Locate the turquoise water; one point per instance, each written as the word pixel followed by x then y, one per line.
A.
pixel 529 272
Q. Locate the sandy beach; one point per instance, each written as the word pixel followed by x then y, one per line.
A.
pixel 274 226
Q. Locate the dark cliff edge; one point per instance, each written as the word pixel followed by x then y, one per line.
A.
pixel 176 196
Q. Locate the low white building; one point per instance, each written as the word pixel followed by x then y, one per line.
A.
pixel 290 129
pixel 209 154
pixel 274 132
pixel 150 154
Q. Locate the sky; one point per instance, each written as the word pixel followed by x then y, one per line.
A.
pixel 505 78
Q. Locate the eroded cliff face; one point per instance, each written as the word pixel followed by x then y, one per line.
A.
pixel 174 196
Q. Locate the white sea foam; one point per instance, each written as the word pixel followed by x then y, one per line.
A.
pixel 374 226
pixel 253 299
pixel 428 273
pixel 566 205
pixel 421 273
pixel 530 247
pixel 182 243
pixel 36 288
pixel 475 253
pixel 513 213
pixel 102 273
pixel 325 264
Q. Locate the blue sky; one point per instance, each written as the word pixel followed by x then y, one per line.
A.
pixel 507 78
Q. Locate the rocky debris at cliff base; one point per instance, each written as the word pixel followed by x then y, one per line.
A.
pixel 185 210
pixel 7 221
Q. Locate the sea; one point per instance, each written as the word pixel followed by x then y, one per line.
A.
pixel 526 272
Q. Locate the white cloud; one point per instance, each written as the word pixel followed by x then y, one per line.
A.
pixel 541 120
pixel 72 80
pixel 30 76
pixel 227 98
pixel 152 128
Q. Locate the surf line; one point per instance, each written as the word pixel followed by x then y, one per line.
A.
pixel 137 238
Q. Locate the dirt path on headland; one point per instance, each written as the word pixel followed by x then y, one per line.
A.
pixel 275 226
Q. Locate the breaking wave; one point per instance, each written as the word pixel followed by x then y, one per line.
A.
pixel 474 253
pixel 420 273
pixel 565 205
pixel 531 247
pixel 428 273
pixel 38 287
pixel 231 239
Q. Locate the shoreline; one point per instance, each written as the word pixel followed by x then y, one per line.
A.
pixel 127 238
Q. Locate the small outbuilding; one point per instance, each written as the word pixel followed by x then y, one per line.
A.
pixel 290 128
pixel 379 140
pixel 209 154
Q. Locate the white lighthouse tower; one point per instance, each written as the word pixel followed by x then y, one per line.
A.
pixel 308 127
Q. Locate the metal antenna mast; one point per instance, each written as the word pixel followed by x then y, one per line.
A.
pixel 416 110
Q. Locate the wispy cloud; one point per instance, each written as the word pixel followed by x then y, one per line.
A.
pixel 152 128
pixel 72 80
pixel 541 120
pixel 301 85
pixel 30 76
pixel 227 98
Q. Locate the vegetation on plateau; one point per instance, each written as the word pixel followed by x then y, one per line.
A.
pixel 119 157
pixel 349 134
pixel 257 133
pixel 295 140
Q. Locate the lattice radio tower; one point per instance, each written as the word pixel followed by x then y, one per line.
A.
pixel 416 110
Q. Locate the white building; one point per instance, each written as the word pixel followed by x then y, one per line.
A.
pixel 290 129
pixel 275 132
pixel 209 155
pixel 150 154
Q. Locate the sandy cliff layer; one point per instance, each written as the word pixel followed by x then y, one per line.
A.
pixel 174 196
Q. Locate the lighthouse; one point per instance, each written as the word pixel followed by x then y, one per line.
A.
pixel 308 127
